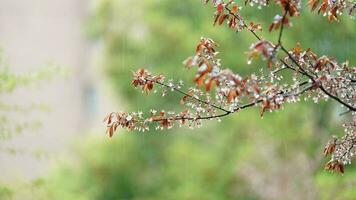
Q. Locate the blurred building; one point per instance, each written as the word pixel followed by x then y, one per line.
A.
pixel 33 34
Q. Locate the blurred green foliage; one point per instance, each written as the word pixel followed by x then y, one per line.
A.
pixel 13 122
pixel 243 157
pixel 10 125
pixel 5 192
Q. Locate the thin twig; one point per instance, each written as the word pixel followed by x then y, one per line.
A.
pixel 345 112
pixel 281 29
pixel 191 96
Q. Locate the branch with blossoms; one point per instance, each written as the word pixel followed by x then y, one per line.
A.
pixel 219 92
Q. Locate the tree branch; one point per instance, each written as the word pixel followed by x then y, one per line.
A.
pixel 301 70
pixel 286 95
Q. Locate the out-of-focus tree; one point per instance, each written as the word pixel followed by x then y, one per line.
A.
pixel 10 125
pixel 243 157
pixel 11 121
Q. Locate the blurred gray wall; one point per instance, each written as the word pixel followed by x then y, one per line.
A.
pixel 34 33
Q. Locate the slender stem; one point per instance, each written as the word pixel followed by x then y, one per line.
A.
pixel 239 18
pixel 345 112
pixel 193 118
pixel 281 29
pixel 282 92
pixel 191 96
pixel 337 98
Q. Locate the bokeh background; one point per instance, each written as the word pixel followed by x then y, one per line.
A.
pixel 65 64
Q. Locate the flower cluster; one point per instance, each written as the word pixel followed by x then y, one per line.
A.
pixel 330 8
pixel 136 121
pixel 332 80
pixel 333 8
pixel 290 7
pixel 229 12
pixel 234 91
pixel 260 3
pixel 342 150
pixel 219 92
pixel 208 64
pixel 145 80
pixel 264 48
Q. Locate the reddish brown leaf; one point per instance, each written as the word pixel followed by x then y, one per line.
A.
pixel 313 3
pixel 231 96
pixel 234 9
pixel 200 79
pixel 220 8
pixel 222 18
pixel 209 84
pixel 184 99
pixel 216 18
pixel 329 149
pixel 271 27
pixel 111 131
